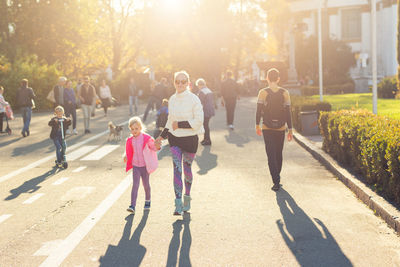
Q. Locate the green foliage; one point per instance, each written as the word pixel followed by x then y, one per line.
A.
pixel 41 76
pixel 300 104
pixel 337 53
pixel 367 144
pixel 387 88
pixel 346 88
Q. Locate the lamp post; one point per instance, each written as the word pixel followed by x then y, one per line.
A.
pixel 320 50
pixel 374 59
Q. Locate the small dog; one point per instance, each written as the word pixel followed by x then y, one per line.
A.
pixel 115 131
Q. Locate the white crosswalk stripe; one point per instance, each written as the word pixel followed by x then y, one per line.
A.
pixel 80 152
pixel 61 180
pixel 101 152
pixel 4 217
pixel 79 169
pixel 33 198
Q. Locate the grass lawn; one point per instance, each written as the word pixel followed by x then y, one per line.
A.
pixel 386 107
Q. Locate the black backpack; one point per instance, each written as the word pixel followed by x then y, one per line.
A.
pixel 274 110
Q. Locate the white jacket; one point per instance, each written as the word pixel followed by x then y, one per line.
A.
pixel 185 106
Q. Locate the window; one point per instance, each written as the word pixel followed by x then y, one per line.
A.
pixel 351 24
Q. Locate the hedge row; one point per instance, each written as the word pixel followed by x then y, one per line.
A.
pixel 346 88
pixel 300 104
pixel 367 144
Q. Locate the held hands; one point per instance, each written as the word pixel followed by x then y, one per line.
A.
pixel 157 142
pixel 290 135
pixel 174 125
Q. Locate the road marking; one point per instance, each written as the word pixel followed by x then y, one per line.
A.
pixel 58 255
pixel 79 169
pixel 4 217
pixel 33 198
pixel 101 152
pixel 60 181
pixel 47 248
pixel 37 163
pixel 80 152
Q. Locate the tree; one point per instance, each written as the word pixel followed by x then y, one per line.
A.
pixel 398 43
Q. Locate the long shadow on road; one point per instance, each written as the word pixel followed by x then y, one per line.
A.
pixel 32 185
pixel 129 251
pixel 304 239
pixel 184 255
pixel 206 160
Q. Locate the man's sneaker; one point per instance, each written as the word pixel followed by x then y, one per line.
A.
pixel 131 209
pixel 75 132
pixel 276 187
pixel 68 131
pixel 146 205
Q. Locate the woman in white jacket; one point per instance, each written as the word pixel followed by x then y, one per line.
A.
pixel 185 122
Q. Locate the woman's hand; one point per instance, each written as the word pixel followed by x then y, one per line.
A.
pixel 174 125
pixel 290 135
pixel 258 130
pixel 157 142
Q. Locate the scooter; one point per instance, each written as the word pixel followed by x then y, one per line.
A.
pixel 64 162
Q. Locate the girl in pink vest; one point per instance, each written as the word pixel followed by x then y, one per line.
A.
pixel 141 157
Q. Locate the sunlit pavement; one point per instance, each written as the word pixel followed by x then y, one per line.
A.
pixel 78 217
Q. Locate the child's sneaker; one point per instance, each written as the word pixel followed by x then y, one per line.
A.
pixel 146 205
pixel 131 209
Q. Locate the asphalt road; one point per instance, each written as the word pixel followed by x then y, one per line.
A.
pixel 78 217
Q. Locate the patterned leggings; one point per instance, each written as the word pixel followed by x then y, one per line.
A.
pixel 177 156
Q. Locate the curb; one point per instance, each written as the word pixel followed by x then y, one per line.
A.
pixel 378 204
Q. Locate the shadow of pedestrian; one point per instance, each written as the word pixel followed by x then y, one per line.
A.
pixel 309 245
pixel 24 150
pixel 32 185
pixel 237 139
pixel 206 161
pixel 9 142
pixel 184 255
pixel 129 251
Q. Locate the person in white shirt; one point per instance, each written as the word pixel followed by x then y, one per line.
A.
pixel 105 96
pixel 3 105
pixel 185 122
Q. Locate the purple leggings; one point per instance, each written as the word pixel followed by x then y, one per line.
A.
pixel 177 156
pixel 138 172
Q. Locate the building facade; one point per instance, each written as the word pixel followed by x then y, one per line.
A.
pixel 350 21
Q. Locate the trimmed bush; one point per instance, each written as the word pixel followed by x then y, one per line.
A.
pixel 346 88
pixel 367 144
pixel 300 104
pixel 41 76
pixel 387 88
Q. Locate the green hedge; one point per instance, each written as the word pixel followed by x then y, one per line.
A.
pixel 300 104
pixel 41 77
pixel 346 88
pixel 387 88
pixel 367 144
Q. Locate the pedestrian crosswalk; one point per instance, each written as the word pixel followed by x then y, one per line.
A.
pixel 80 152
pixel 33 198
pixel 101 152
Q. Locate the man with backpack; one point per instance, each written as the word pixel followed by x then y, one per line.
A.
pixel 273 106
pixel 25 97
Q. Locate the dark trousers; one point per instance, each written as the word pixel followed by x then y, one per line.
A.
pixel 206 128
pixel 230 104
pixel 273 146
pixel 61 147
pixel 2 114
pixel 70 110
pixel 152 101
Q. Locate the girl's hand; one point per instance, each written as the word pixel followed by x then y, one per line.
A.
pixel 258 131
pixel 125 159
pixel 174 125
pixel 290 135
pixel 157 142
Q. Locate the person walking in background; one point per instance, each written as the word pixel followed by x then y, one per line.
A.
pixel 229 93
pixel 273 106
pixel 25 98
pixel 184 124
pixel 86 96
pixel 158 93
pixel 59 92
pixel 141 157
pixel 162 117
pixel 133 96
pixel 70 105
pixel 207 100
pixel 105 96
pixel 3 104
pixel 59 124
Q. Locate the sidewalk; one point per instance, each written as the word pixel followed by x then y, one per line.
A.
pixel 381 207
